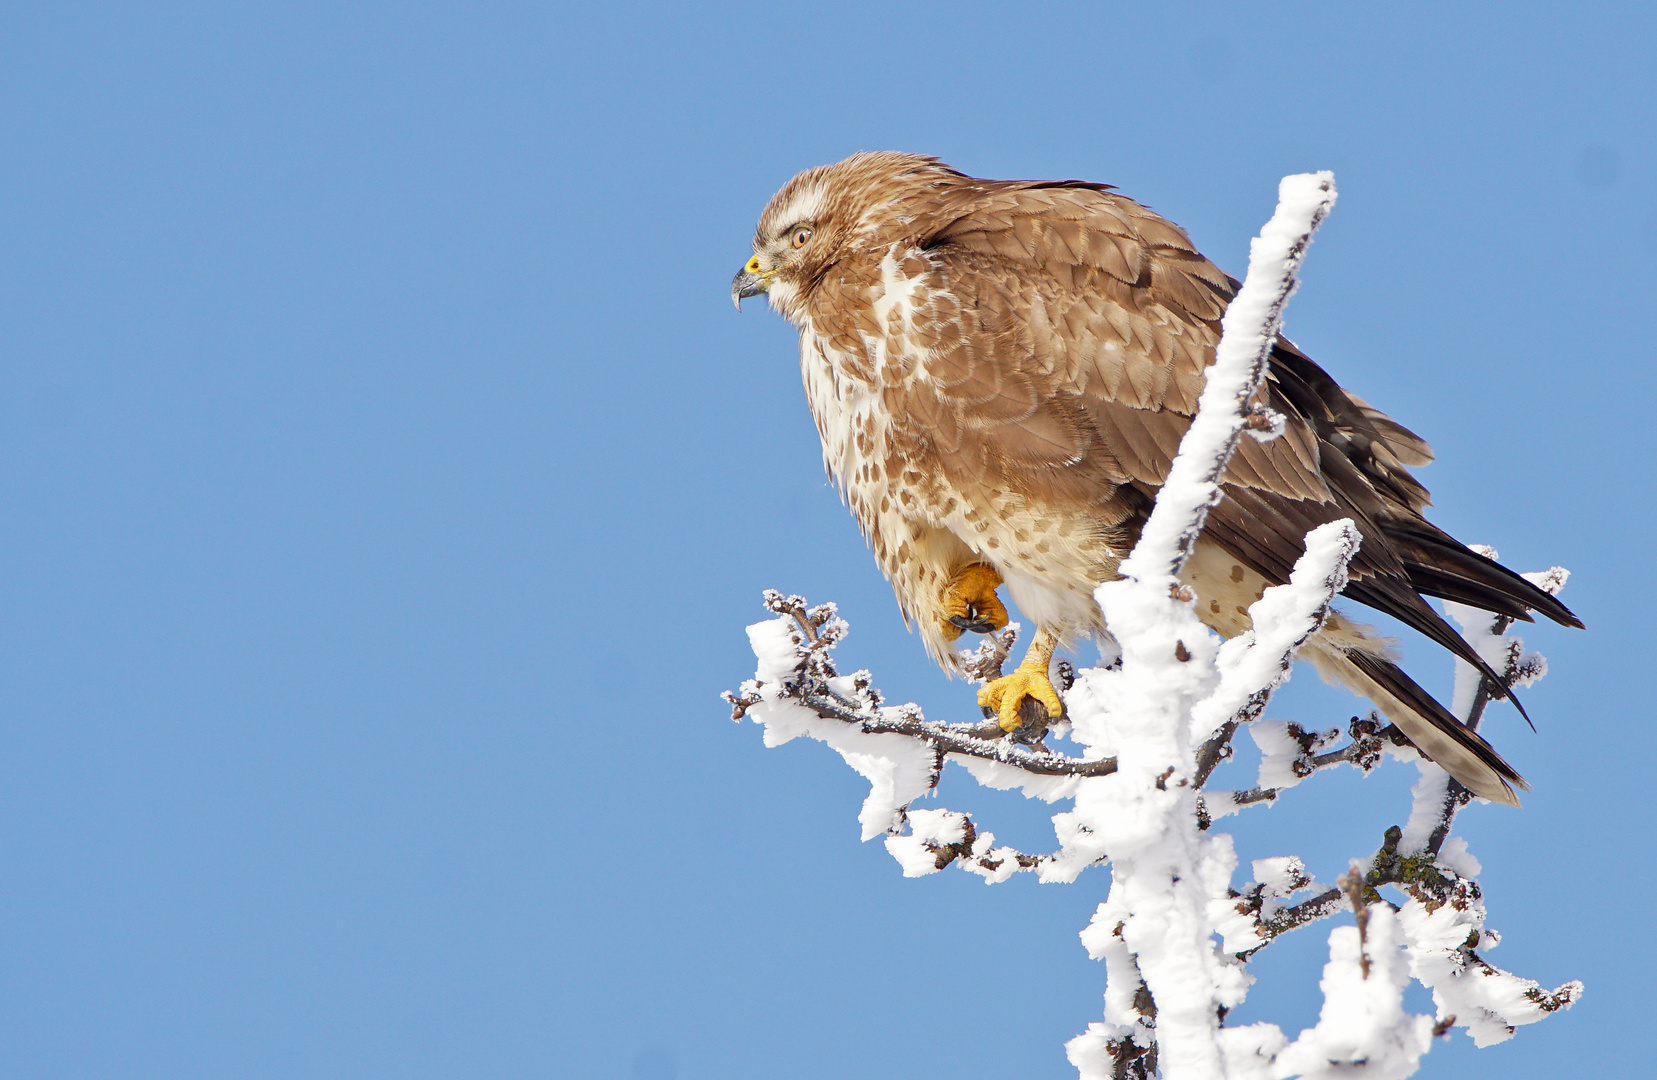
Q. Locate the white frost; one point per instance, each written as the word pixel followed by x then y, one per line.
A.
pixel 776 645
pixel 1249 328
pixel 1282 619
pixel 899 769
pixel 929 830
pixel 1363 1025
pixel 1281 876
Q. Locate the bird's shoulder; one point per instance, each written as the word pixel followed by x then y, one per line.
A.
pixel 1093 294
pixel 1101 293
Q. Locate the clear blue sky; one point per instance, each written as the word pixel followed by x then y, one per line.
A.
pixel 385 483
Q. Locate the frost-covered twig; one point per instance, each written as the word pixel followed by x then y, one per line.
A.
pixel 1291 754
pixel 1444 915
pixel 1227 407
pixel 798 690
pixel 939 837
pixel 1253 663
pixel 812 681
pixel 1439 796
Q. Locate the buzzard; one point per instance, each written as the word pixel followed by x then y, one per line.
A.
pixel 1001 372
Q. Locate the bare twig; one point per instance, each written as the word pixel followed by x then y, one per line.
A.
pixel 1351 884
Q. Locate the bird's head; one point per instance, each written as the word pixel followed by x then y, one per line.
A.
pixel 823 214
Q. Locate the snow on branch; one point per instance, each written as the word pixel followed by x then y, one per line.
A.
pixel 1227 407
pixel 1150 732
pixel 1151 710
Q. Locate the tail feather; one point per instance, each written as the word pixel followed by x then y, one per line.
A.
pixel 1401 601
pixel 1430 581
pixel 1439 565
pixel 1458 749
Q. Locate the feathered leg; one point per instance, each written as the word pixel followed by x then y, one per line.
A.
pixel 970 602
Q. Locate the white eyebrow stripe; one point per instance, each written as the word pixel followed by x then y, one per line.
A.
pixel 806 205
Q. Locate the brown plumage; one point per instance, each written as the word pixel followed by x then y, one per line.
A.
pixel 1001 372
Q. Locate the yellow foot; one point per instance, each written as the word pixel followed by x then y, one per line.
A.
pixel 970 602
pixel 1004 695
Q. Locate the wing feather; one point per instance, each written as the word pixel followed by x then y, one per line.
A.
pixel 1084 324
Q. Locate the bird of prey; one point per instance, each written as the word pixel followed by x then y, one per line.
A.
pixel 1001 372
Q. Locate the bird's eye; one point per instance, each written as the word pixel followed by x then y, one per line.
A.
pixel 801 235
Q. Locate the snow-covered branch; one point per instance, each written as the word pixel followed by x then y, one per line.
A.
pixel 806 636
pixel 1228 406
pixel 1440 914
pixel 1177 684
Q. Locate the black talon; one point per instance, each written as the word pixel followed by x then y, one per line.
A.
pixel 1033 719
pixel 974 625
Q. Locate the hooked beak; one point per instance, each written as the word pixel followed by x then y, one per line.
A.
pixel 749 281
